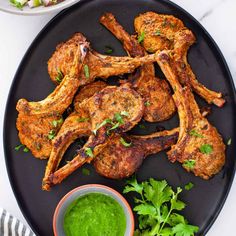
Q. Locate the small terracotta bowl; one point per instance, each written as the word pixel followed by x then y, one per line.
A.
pixel 70 197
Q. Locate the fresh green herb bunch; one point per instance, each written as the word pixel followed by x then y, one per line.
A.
pixel 158 208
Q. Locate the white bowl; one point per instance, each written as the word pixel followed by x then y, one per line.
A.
pixel 6 6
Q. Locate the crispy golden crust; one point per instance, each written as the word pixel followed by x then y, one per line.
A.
pixel 188 146
pixel 88 91
pixel 206 164
pixel 165 32
pixel 62 96
pixel 156 93
pixel 158 30
pixel 37 121
pixel 99 66
pixel 34 133
pixel 100 107
pixel 76 125
pixel 117 161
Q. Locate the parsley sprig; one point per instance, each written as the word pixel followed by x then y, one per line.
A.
pixel 158 206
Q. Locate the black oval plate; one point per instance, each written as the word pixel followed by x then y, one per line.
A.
pixel 204 201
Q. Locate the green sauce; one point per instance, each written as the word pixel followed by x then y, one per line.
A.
pixel 94 214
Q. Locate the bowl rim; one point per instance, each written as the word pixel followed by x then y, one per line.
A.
pixel 41 10
pixel 90 186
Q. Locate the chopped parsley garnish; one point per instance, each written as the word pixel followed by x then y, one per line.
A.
pixel 196 134
pixel 124 143
pixel 55 123
pixel 142 126
pixel 85 171
pixel 17 148
pixel 116 122
pixel 229 142
pixel 59 76
pixel 189 186
pixel 158 207
pixel 82 119
pixel 89 152
pixel 147 103
pixel 141 37
pixel 164 23
pixel 189 164
pixel 109 50
pixel 124 113
pixel 206 149
pixel 25 149
pixel 51 134
pixel 86 71
pixel 98 126
pixel 158 32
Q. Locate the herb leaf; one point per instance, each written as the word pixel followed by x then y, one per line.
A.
pixel 25 149
pixel 109 50
pixel 89 152
pixel 184 230
pixel 142 126
pixel 206 149
pixel 82 119
pixel 229 142
pixel 59 76
pixel 189 186
pixel 196 134
pixel 55 123
pixel 51 134
pixel 86 71
pixel 141 37
pixel 17 148
pixel 147 103
pixel 124 143
pixel 189 164
pixel 85 171
pixel 158 206
pixel 158 32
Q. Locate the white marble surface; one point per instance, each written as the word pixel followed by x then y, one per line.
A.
pixel 17 32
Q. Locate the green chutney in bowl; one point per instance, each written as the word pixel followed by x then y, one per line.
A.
pixel 93 210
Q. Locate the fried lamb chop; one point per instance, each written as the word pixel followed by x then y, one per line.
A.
pixel 113 109
pixel 82 63
pixel 166 32
pixel 38 122
pixel 87 91
pixel 156 92
pixel 124 154
pixel 199 148
pixel 76 125
pixel 95 65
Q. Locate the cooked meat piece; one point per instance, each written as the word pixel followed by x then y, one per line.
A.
pixel 95 64
pixel 117 161
pixel 38 122
pixel 35 132
pixel 167 32
pixel 75 126
pixel 199 147
pixel 59 100
pixel 156 93
pixel 88 91
pixel 113 109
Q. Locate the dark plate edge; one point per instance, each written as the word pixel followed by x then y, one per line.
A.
pixel 40 34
